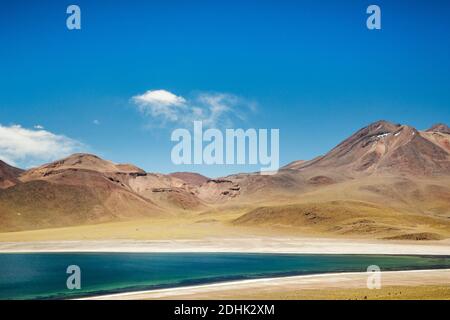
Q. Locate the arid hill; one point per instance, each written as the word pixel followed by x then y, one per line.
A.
pixel 383 147
pixel 439 127
pixel 191 178
pixel 380 149
pixel 80 189
pixel 385 181
pixel 9 175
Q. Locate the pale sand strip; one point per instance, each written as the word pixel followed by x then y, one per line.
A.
pixel 413 278
pixel 245 245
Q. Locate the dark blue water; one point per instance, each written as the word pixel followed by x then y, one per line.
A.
pixel 43 276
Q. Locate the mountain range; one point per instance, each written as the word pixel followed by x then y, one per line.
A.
pixel 385 181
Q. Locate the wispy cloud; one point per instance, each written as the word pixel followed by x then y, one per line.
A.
pixel 29 147
pixel 214 109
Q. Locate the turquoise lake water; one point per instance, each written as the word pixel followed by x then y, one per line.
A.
pixel 43 275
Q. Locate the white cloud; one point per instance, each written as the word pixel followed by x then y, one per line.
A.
pixel 160 97
pixel 96 122
pixel 214 109
pixel 30 147
pixel 160 103
pixel 38 126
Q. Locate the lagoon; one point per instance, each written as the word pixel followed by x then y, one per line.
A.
pixel 43 275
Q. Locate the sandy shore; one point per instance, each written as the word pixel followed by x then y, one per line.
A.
pixel 249 245
pixel 334 286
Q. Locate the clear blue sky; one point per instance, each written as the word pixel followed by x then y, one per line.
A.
pixel 312 69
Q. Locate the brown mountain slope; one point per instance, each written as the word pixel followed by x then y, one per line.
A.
pixel 85 189
pixel 383 147
pixel 167 191
pixel 164 190
pixel 345 217
pixel 80 161
pixel 398 176
pixel 191 178
pixel 373 207
pixel 386 180
pixel 80 189
pixel 70 197
pixel 9 175
pixel 439 127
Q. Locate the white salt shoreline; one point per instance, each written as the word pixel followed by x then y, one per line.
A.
pixel 237 245
pixel 316 281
